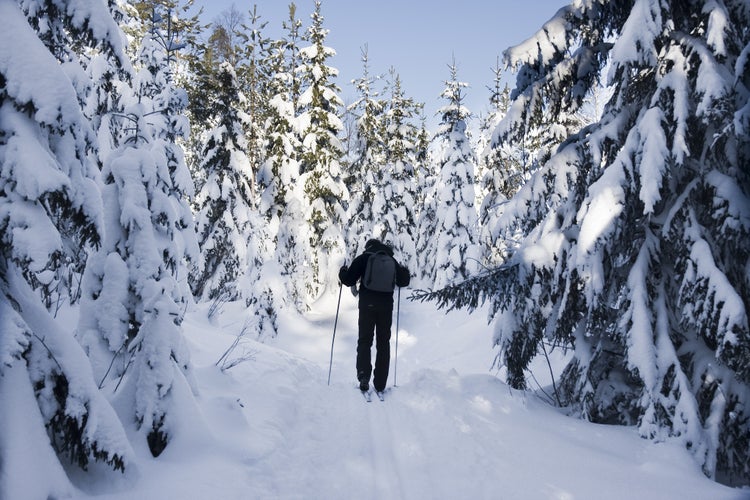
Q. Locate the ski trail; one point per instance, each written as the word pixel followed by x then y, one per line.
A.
pixel 283 432
pixel 410 458
pixel 388 481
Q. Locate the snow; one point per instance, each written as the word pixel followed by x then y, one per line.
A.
pixel 272 428
pixel 28 75
pixel 731 308
pixel 717 27
pixel 635 45
pixel 653 151
pixel 737 203
pixel 27 445
pixel 641 354
pixel 544 45
pixel 605 204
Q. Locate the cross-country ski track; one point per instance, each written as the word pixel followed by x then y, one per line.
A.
pixel 271 427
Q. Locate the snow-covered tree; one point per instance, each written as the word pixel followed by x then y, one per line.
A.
pixel 291 42
pixel 111 76
pixel 322 151
pixel 396 202
pixel 258 74
pixel 453 254
pixel 189 66
pixel 281 201
pixel 280 168
pixel 636 229
pixel 260 287
pixel 364 176
pixel 501 171
pixel 426 179
pixel 168 126
pixel 50 208
pixel 225 200
pixel 254 77
pixel 498 179
pixel 203 86
pixel 135 286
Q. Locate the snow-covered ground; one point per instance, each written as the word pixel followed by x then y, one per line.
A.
pixel 272 428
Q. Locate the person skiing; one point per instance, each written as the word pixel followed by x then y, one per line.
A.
pixel 378 273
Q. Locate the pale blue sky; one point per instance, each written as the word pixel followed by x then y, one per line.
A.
pixel 418 38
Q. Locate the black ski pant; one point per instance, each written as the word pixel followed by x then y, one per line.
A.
pixel 374 322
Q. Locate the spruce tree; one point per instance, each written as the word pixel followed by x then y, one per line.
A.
pixel 426 222
pixel 135 286
pixel 260 285
pixel 365 173
pixel 453 254
pixel 497 179
pixel 319 163
pixel 397 200
pixel 281 201
pixel 203 87
pixel 254 76
pixel 636 229
pixel 501 173
pixel 292 48
pixel 50 208
pixel 225 200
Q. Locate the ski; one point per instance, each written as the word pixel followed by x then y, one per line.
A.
pixel 367 395
pixel 381 395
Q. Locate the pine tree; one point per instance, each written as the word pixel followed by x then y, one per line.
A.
pixel 228 37
pixel 260 286
pixel 453 252
pixel 364 178
pixel 280 168
pixel 322 151
pixel 169 127
pixel 49 209
pixel 111 75
pixel 203 86
pixel 254 76
pixel 502 172
pixel 292 52
pixel 636 229
pixel 257 286
pixel 397 200
pixel 497 182
pixel 188 67
pixel 426 179
pixel 135 286
pixel 225 200
pixel 281 201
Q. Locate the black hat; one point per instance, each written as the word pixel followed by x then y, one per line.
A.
pixel 371 243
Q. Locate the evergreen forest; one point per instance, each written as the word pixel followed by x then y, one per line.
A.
pixel 599 205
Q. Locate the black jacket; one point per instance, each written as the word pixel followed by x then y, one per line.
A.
pixel 369 298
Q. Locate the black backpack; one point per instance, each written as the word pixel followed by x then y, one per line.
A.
pixel 380 272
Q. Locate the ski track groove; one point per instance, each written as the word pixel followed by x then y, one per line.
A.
pixel 394 461
pixel 388 481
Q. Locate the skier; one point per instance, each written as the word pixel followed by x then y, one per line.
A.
pixel 378 273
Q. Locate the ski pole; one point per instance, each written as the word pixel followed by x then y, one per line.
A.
pixel 330 365
pixel 398 313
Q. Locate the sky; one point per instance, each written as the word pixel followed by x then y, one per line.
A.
pixel 418 38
